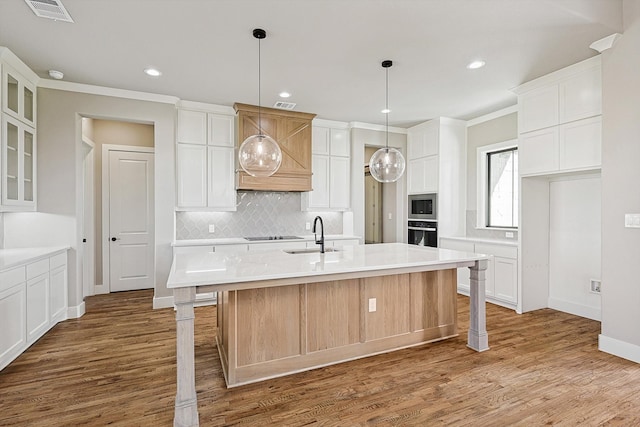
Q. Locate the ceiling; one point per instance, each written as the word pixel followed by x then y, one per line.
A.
pixel 326 53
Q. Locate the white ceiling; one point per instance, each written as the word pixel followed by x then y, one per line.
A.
pixel 327 53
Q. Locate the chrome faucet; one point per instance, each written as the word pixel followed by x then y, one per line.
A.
pixel 321 241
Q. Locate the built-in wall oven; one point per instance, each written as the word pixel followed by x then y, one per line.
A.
pixel 423 233
pixel 423 206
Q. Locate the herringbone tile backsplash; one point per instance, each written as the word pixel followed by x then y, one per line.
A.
pixel 259 214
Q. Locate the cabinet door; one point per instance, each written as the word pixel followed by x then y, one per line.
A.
pixel 191 175
pixel 505 279
pixel 222 192
pixel 11 155
pixel 580 144
pixel 18 96
pixel 422 175
pixel 13 313
pixel 320 140
pixel 221 130
pixel 423 140
pixel 58 290
pixel 581 95
pixel 319 197
pixel 538 151
pixel 37 306
pixel 339 141
pixel 339 182
pixel 192 127
pixel 538 109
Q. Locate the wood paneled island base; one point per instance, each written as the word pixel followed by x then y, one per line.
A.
pixel 280 313
pixel 269 332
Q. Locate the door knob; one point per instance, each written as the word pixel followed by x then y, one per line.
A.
pixel 113 239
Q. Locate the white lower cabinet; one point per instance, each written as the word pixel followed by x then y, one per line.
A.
pixel 33 298
pixel 501 277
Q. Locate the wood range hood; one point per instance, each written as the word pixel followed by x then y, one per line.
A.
pixel 292 132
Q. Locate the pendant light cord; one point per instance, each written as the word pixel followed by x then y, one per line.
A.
pixel 259 90
pixel 387 108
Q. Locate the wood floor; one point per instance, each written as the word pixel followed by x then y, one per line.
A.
pixel 116 366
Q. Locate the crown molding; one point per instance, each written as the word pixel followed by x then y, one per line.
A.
pixel 494 115
pixel 106 91
pixel 380 128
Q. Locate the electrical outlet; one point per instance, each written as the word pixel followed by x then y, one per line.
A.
pixel 632 220
pixel 508 234
pixel 595 286
pixel 390 215
pixel 307 226
pixel 212 228
pixel 372 305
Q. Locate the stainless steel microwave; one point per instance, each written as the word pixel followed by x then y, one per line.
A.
pixel 423 206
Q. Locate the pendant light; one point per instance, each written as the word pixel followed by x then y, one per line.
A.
pixel 387 164
pixel 260 155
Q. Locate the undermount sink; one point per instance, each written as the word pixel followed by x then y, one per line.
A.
pixel 310 251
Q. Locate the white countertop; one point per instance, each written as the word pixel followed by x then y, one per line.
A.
pixel 211 268
pixel 243 241
pixel 10 258
pixel 503 242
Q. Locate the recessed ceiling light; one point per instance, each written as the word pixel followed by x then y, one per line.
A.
pixel 284 94
pixel 55 74
pixel 476 64
pixel 385 111
pixel 152 72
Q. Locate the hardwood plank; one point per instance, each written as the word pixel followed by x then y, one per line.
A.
pixel 116 366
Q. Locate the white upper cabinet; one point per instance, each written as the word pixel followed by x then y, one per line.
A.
pixel 331 168
pixel 18 149
pixel 560 120
pixel 205 161
pixel 18 96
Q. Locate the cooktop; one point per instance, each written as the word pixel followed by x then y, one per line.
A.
pixel 272 238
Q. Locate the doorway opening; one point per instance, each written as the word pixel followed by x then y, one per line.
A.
pixel 105 176
pixel 372 202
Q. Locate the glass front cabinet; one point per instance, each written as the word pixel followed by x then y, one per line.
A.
pixel 18 142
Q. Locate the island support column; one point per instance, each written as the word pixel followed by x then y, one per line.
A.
pixel 478 339
pixel 186 410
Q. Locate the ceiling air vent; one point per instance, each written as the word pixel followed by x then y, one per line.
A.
pixel 284 105
pixel 51 9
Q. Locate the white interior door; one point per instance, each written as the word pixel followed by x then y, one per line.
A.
pixel 131 221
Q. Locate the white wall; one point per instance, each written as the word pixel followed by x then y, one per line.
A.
pixel 574 245
pixel 60 173
pixel 620 193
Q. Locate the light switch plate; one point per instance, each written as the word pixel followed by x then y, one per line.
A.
pixel 632 220
pixel 212 228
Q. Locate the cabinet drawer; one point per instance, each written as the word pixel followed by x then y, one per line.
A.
pixel 57 260
pixel 497 250
pixel 37 268
pixel 12 277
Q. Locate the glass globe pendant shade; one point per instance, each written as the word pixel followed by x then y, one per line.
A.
pixel 260 155
pixel 387 165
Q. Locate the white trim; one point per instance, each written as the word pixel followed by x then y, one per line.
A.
pixel 557 76
pixel 105 207
pixel 619 348
pixel 77 311
pixel 330 123
pixel 106 91
pixel 162 302
pixel 494 115
pixel 208 108
pixel 481 182
pixel 605 43
pixel 576 309
pixel 16 63
pixel 381 128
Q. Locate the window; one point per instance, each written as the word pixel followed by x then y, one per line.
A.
pixel 502 187
pixel 497 185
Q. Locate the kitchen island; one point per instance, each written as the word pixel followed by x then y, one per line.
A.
pixel 280 313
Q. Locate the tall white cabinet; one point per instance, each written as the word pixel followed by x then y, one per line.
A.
pixel 559 125
pixel 436 152
pixel 331 166
pixel 18 134
pixel 205 158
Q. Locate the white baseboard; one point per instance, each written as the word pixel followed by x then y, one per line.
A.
pixel 619 348
pixel 76 311
pixel 201 300
pixel 162 302
pixel 592 313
